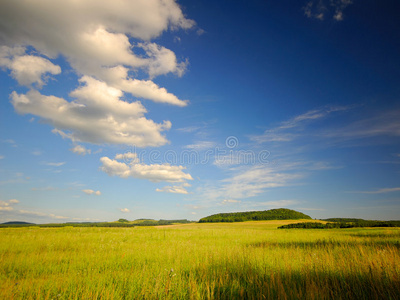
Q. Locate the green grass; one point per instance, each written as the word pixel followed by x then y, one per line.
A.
pixel 249 260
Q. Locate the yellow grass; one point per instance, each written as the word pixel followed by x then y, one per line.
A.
pixel 249 260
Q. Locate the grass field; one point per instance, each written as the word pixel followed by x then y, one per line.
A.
pixel 249 260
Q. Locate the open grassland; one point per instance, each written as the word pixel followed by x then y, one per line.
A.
pixel 249 260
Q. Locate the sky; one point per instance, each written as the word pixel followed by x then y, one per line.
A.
pixel 171 109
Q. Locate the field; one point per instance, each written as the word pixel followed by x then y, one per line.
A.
pixel 249 260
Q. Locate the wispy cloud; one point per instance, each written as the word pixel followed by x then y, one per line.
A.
pixel 313 128
pixel 386 123
pixel 380 191
pixel 11 142
pixel 47 188
pixel 276 203
pixel 55 164
pixel 201 145
pixel 8 205
pixel 250 181
pixel 294 128
pixel 189 129
pixel 41 214
pixel 230 201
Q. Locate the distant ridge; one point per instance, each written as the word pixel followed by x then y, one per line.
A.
pixel 272 214
pixel 17 223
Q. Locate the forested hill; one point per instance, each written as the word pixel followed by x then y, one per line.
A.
pixel 272 214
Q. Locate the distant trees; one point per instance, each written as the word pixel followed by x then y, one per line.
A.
pixel 341 224
pixel 272 214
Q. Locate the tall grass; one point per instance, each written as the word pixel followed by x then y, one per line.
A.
pixel 250 260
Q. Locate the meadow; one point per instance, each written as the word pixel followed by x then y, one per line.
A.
pixel 246 260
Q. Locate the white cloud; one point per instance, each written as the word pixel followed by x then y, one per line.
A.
pixel 2 157
pixel 6 208
pixel 26 69
pixel 107 44
pixel 94 35
pixel 277 203
pixel 254 181
pixel 147 89
pixel 176 189
pixel 91 192
pixel 153 172
pixel 40 214
pixel 162 60
pixel 8 205
pixel 250 181
pixel 80 150
pixel 124 210
pixel 98 115
pixel 230 201
pixel 128 157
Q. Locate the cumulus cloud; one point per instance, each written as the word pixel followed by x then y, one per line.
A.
pixel 136 169
pixel 176 189
pixel 91 192
pixel 107 44
pixel 98 115
pixel 124 210
pixel 128 157
pixel 94 35
pixel 26 69
pixel 144 19
pixel 80 150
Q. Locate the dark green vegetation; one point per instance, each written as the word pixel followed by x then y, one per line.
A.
pixel 272 214
pixel 342 224
pixel 17 223
pixel 119 223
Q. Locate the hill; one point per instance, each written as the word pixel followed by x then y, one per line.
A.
pixel 272 214
pixel 17 223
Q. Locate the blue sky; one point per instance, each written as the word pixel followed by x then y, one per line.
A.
pixel 167 110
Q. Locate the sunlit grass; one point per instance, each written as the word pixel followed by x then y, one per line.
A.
pixel 250 260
